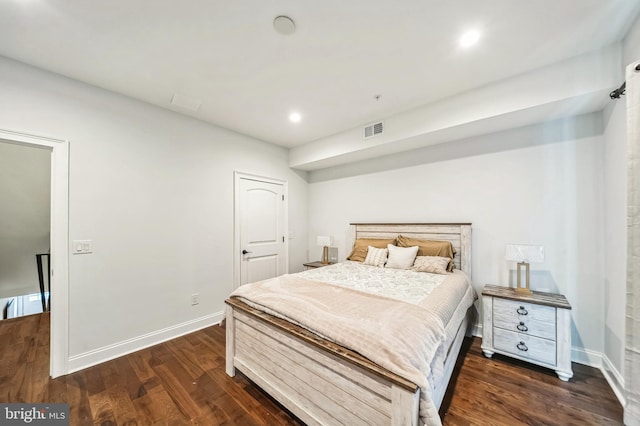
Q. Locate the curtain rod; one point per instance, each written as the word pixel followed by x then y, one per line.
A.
pixel 620 90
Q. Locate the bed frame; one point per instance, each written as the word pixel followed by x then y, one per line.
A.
pixel 322 382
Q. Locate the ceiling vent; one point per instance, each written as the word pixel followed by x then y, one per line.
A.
pixel 373 129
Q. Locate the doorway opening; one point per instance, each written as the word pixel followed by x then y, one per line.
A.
pixel 25 190
pixel 59 241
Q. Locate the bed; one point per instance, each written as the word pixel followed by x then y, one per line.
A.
pixel 327 379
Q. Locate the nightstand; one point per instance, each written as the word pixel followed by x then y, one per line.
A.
pixel 532 327
pixel 314 265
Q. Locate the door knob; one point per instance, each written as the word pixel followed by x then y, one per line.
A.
pixel 245 252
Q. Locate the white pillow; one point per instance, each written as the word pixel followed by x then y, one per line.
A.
pixel 376 256
pixel 401 257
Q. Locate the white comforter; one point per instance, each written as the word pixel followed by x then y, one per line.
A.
pixel 402 284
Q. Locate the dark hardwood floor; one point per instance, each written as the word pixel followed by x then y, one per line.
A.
pixel 183 382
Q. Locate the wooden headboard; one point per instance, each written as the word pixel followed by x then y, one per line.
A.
pixel 459 234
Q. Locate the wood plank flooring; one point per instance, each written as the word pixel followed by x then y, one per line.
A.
pixel 183 382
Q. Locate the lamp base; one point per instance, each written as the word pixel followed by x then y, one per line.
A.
pixel 520 288
pixel 325 255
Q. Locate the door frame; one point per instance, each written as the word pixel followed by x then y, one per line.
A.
pixel 59 235
pixel 237 256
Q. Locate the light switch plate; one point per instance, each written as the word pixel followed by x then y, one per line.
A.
pixel 82 246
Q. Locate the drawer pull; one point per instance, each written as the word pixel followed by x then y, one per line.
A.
pixel 522 327
pixel 522 347
pixel 522 311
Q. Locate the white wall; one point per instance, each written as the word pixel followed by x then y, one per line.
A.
pixel 25 188
pixel 547 191
pixel 154 191
pixel 631 44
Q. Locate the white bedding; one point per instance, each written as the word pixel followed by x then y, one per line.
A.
pixel 401 284
pixel 406 285
pixel 445 298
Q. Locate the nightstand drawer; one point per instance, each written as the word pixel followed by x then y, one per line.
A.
pixel 519 311
pixel 522 317
pixel 526 325
pixel 525 346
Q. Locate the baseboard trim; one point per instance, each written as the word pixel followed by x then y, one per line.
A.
pixel 106 353
pixel 616 381
pixel 602 363
pixel 586 357
pixel 476 330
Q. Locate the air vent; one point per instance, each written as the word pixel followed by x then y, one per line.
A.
pixel 373 129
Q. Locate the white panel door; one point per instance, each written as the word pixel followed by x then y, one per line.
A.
pixel 262 230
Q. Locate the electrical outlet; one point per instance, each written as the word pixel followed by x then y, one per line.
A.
pixel 195 299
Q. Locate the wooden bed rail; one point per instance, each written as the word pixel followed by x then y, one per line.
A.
pixel 323 344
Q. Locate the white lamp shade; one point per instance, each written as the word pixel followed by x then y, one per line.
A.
pixel 524 253
pixel 324 240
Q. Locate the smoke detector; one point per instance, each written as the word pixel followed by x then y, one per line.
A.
pixel 284 25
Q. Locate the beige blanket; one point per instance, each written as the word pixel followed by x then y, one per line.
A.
pixel 399 336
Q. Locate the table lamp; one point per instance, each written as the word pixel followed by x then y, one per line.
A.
pixel 325 241
pixel 524 254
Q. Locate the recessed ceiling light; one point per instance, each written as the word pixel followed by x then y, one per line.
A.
pixel 295 117
pixel 469 38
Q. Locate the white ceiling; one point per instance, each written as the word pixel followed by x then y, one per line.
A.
pixel 248 77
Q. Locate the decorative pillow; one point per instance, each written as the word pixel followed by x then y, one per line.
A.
pixel 376 256
pixel 360 246
pixel 430 248
pixel 433 264
pixel 401 257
